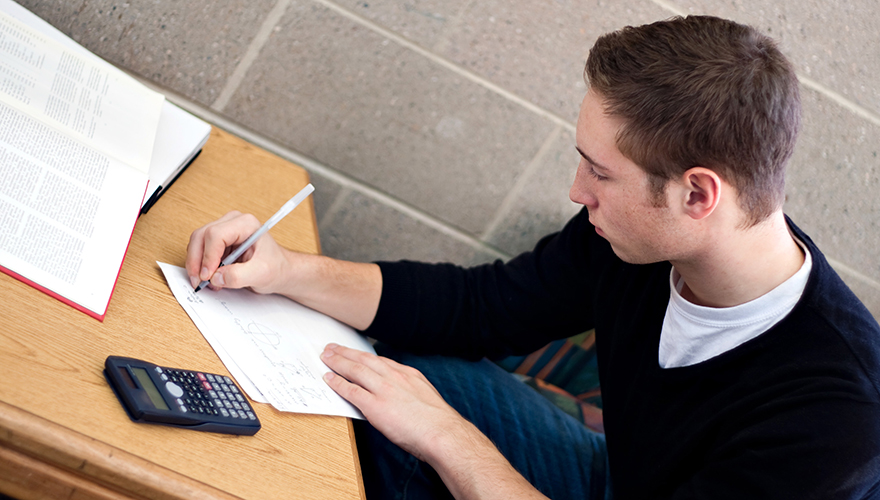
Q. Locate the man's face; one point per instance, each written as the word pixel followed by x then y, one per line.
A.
pixel 617 193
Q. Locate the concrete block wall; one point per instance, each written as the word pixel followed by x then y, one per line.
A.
pixel 443 130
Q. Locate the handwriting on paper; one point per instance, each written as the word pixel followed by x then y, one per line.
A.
pixel 269 343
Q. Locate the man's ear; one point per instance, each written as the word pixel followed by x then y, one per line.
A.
pixel 702 192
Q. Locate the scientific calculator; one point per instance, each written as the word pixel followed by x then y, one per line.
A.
pixel 180 398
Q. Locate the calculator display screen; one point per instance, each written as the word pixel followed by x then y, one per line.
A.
pixel 148 385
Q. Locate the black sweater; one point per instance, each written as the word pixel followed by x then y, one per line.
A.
pixel 793 413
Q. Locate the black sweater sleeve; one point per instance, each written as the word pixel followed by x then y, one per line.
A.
pixel 494 309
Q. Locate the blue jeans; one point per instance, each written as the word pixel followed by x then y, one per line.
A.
pixel 553 451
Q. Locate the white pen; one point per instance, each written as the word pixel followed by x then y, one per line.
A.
pixel 280 214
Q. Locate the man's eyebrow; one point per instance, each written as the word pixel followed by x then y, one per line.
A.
pixel 590 160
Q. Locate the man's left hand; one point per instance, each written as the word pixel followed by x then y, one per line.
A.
pixel 397 399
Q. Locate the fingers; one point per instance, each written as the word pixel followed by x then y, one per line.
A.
pixel 375 374
pixel 208 244
pixel 228 232
pixel 357 366
pixel 352 393
pixel 396 399
pixel 357 372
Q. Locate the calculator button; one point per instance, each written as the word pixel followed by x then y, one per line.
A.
pixel 207 386
pixel 251 415
pixel 222 395
pixel 183 409
pixel 174 389
pixel 224 412
pixel 227 404
pixel 158 369
pixel 201 376
pixel 239 398
pixel 233 413
pixel 210 377
pixel 236 405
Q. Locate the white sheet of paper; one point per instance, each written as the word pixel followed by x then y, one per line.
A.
pixel 270 344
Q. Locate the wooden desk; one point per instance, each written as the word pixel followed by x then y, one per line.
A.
pixel 63 433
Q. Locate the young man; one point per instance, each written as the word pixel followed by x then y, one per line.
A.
pixel 734 362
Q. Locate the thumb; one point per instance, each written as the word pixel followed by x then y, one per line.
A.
pixel 238 275
pixel 219 279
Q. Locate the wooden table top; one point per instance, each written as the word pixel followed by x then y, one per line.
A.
pixel 57 410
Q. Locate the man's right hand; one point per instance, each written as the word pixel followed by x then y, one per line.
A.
pixel 347 291
pixel 262 267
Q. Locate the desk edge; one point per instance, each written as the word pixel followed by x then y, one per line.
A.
pixel 71 454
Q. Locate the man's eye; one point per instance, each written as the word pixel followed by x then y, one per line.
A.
pixel 596 174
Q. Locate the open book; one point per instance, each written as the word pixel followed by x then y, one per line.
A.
pixel 179 137
pixel 84 148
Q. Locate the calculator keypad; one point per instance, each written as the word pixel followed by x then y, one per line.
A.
pixel 210 394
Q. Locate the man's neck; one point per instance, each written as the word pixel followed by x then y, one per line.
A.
pixel 743 265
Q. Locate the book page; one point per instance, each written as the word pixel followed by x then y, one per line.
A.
pixel 67 210
pixel 180 135
pixel 91 101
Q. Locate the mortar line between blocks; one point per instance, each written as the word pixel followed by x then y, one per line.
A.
pixel 842 268
pixel 344 180
pixel 840 100
pixel 250 54
pixel 328 218
pixel 806 82
pixel 447 64
pixel 520 184
pixel 670 7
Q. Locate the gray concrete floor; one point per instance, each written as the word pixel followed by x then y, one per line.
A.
pixel 442 130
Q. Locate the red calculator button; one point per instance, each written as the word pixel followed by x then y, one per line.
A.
pixel 201 376
pixel 207 385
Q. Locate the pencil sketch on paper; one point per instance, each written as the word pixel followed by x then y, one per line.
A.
pixel 270 344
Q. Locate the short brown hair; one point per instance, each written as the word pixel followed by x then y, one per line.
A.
pixel 702 91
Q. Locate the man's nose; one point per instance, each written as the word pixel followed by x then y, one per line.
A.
pixel 581 189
